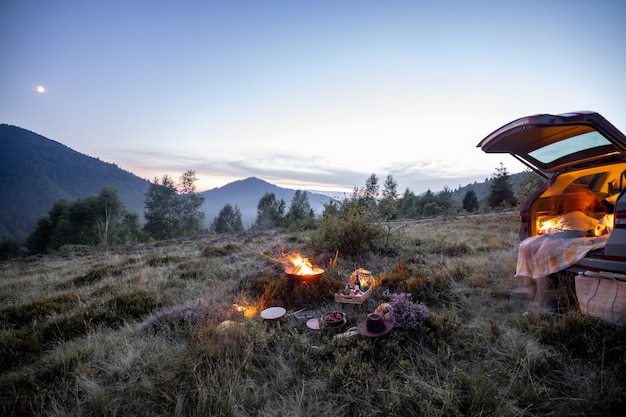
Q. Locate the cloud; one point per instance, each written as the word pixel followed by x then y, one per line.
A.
pixel 292 171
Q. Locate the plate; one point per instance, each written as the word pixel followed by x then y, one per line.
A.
pixel 333 318
pixel 273 313
pixel 313 324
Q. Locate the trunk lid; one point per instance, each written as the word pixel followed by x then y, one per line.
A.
pixel 550 144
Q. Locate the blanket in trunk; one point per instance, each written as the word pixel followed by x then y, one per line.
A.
pixel 540 256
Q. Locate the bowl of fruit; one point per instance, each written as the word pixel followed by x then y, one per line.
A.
pixel 333 319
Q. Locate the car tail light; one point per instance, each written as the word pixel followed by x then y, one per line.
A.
pixel 523 216
pixel 619 222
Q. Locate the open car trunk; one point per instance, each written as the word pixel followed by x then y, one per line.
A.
pixel 570 150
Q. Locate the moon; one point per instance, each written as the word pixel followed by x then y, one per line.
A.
pixel 40 89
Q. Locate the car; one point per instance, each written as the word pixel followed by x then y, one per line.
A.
pixel 578 149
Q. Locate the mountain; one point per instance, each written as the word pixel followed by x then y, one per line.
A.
pixel 36 171
pixel 246 194
pixel 482 189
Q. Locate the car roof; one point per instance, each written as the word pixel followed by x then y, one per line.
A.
pixel 553 143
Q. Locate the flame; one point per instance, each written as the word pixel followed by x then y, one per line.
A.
pixel 248 311
pixel 301 265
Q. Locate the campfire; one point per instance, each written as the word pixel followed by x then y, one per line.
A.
pixel 301 269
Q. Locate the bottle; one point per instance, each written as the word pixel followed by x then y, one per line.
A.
pixel 357 282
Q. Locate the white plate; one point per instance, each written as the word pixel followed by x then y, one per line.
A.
pixel 273 313
pixel 313 324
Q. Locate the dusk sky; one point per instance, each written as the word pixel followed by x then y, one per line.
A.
pixel 311 95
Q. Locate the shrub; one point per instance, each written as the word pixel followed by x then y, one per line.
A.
pixel 111 313
pixel 274 289
pixel 40 308
pixel 416 276
pixel 18 346
pixel 172 318
pixel 212 250
pixel 585 337
pixel 349 233
pixel 96 274
pixel 9 248
pixel 407 314
pixel 164 260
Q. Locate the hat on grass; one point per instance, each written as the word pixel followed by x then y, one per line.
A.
pixel 375 326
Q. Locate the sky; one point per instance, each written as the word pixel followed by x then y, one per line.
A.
pixel 312 95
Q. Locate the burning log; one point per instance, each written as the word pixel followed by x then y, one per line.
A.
pixel 302 269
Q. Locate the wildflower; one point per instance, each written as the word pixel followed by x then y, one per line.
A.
pixel 406 313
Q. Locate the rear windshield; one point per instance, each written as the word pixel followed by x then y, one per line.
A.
pixel 570 146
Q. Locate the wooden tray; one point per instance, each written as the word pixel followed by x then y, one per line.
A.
pixel 353 299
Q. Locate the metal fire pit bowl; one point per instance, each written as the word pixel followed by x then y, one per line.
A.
pixel 303 278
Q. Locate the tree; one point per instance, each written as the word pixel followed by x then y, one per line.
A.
pixel 370 194
pixel 501 190
pixel 445 200
pixel 101 219
pixel 228 220
pixel 161 214
pixel 429 204
pixel 192 218
pixel 530 181
pixel 372 188
pixel 366 198
pixel 171 212
pixel 408 206
pixel 107 207
pixel 470 201
pixel 387 207
pixel 300 214
pixel 9 248
pixel 430 209
pixel 270 212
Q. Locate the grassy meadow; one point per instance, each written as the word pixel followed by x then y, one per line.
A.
pixel 172 328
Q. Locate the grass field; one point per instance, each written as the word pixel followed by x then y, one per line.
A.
pixel 172 328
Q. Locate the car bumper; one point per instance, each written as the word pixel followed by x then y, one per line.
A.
pixel 598 264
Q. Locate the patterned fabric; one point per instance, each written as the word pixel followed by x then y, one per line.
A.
pixel 540 256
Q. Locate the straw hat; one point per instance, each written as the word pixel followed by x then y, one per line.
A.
pixel 375 326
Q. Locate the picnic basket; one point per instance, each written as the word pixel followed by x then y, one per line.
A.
pixel 602 295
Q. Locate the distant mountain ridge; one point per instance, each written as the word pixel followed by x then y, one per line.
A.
pixel 245 194
pixel 36 171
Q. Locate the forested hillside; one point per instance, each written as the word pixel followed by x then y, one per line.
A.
pixel 36 171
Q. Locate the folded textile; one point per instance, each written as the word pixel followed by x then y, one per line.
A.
pixel 540 256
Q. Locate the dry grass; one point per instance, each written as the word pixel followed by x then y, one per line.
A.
pixel 152 329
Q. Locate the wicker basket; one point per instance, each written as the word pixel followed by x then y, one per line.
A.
pixel 602 295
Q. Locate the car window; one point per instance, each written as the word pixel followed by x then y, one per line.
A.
pixel 575 144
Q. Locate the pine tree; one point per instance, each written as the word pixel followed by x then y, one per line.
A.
pixel 300 215
pixel 228 220
pixel 270 212
pixel 470 201
pixel 501 189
